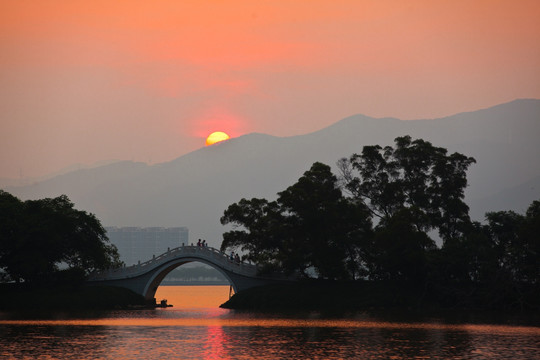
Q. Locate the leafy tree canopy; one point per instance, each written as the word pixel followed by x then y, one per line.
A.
pixel 310 226
pixel 45 240
pixel 415 175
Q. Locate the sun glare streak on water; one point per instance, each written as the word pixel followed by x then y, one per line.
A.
pixel 195 328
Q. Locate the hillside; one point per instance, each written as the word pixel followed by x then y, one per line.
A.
pixel 194 190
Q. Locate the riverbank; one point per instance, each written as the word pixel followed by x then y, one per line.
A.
pixel 17 297
pixel 318 296
pixel 341 297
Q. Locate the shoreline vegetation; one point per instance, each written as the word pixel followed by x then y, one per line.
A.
pixel 392 231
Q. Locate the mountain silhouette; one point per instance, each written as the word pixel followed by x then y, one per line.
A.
pixel 194 190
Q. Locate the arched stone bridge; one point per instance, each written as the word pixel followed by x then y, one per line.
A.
pixel 144 278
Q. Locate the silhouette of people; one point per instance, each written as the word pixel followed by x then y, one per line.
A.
pixel 237 258
pixel 232 256
pixel 199 242
pixel 204 243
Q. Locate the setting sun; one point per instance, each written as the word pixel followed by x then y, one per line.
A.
pixel 216 137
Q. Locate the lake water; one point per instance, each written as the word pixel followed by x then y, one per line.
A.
pixel 195 328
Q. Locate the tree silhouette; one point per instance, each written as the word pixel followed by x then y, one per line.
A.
pixel 322 224
pixel 45 240
pixel 415 176
pixel 310 226
pixel 380 229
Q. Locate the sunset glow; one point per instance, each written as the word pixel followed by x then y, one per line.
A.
pixel 165 73
pixel 216 137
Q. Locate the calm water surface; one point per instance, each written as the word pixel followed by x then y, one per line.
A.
pixel 195 328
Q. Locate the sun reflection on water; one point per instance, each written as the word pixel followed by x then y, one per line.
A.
pixel 191 331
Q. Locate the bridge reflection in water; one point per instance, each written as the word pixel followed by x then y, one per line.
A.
pixel 144 278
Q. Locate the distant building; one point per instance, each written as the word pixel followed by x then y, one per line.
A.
pixel 141 244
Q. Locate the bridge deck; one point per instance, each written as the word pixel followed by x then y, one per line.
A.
pixel 191 253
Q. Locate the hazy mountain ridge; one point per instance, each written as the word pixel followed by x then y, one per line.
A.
pixel 26 181
pixel 516 198
pixel 194 190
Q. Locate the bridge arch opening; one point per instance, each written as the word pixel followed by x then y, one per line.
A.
pixel 161 273
pixel 195 273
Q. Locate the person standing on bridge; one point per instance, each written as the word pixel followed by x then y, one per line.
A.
pixel 199 242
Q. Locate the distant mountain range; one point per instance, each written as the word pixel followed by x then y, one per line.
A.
pixel 194 190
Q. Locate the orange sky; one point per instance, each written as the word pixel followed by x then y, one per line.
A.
pixel 85 81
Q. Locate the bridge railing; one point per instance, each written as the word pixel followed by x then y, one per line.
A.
pixel 210 254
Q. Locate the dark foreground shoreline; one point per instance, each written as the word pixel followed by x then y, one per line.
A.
pixel 384 297
pixel 21 298
pixel 325 297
